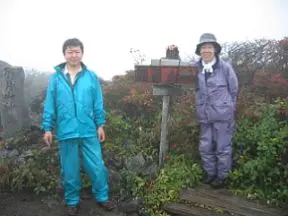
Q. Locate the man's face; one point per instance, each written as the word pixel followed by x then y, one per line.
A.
pixel 73 56
pixel 207 52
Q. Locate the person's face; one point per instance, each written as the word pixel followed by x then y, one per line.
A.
pixel 207 52
pixel 73 56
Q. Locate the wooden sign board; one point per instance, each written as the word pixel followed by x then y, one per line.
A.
pixel 166 72
pixel 166 90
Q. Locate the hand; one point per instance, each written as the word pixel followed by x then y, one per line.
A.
pixel 101 134
pixel 48 138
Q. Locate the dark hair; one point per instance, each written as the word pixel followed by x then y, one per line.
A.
pixel 72 42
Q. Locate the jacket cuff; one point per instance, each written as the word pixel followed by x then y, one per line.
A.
pixel 44 129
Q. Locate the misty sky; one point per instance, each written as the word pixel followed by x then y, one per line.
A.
pixel 33 31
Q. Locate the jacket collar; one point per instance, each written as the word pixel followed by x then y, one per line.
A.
pixel 61 67
pixel 216 65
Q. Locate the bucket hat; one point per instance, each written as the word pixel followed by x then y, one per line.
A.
pixel 208 38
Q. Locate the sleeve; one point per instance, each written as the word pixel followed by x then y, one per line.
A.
pixel 99 112
pixel 232 83
pixel 49 116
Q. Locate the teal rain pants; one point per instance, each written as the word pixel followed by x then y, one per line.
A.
pixel 93 165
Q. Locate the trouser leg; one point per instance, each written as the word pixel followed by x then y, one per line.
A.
pixel 207 149
pixel 70 170
pixel 224 132
pixel 95 168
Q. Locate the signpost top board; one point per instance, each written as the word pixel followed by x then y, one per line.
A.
pixel 172 71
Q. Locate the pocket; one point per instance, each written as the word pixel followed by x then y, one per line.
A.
pixel 222 86
pixel 223 112
pixel 226 127
pixel 85 114
pixel 88 111
pixel 200 110
pixel 63 112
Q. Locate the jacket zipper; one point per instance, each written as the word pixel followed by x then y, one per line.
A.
pixel 72 90
pixel 75 107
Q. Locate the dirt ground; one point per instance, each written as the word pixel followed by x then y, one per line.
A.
pixel 28 204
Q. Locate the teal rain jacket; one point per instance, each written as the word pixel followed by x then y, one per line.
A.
pixel 74 111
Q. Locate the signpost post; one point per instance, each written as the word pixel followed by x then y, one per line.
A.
pixel 167 75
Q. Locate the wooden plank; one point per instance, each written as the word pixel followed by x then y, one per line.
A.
pixel 184 210
pixel 225 200
pixel 171 62
pixel 164 90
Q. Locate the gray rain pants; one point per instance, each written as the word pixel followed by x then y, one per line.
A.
pixel 216 148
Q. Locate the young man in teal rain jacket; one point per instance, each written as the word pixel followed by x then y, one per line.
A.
pixel 74 108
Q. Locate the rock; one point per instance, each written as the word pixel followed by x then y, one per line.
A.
pixel 9 144
pixel 133 214
pixel 150 170
pixel 115 176
pixel 117 163
pixel 112 160
pixel 13 153
pixel 50 201
pixel 13 109
pixel 143 212
pixel 24 139
pixel 45 149
pixel 114 181
pixel 16 142
pixel 3 154
pixel 130 206
pixel 127 144
pixel 27 153
pixel 135 164
pixel 20 160
pixel 124 195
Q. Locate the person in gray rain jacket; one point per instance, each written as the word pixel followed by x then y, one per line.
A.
pixel 216 93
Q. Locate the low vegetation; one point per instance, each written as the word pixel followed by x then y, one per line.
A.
pixel 260 158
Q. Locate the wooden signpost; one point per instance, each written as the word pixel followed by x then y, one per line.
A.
pixel 166 91
pixel 167 76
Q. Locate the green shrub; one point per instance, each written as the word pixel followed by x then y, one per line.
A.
pixel 178 173
pixel 39 172
pixel 261 171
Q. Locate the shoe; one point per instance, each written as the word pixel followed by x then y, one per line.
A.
pixel 218 183
pixel 209 180
pixel 72 210
pixel 108 205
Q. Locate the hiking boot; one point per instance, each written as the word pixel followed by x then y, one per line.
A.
pixel 209 180
pixel 107 205
pixel 218 183
pixel 72 210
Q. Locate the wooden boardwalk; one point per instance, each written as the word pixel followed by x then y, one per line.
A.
pixel 192 202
